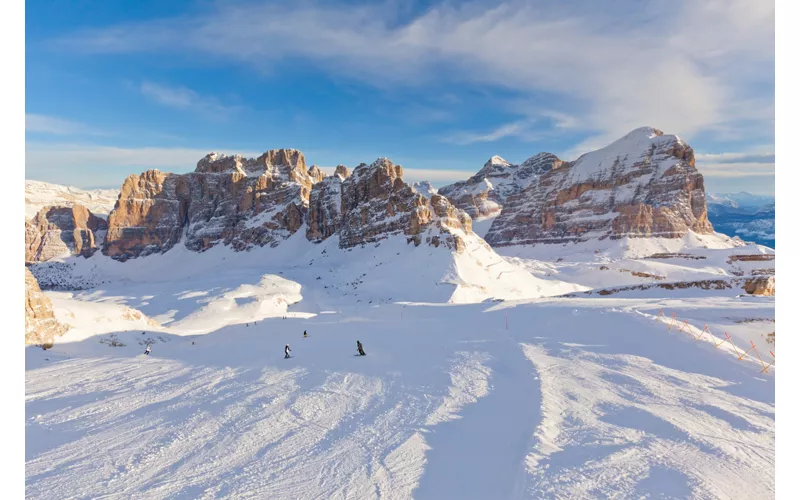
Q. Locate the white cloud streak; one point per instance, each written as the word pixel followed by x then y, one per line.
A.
pixel 44 124
pixel 682 66
pixel 178 97
pixel 520 129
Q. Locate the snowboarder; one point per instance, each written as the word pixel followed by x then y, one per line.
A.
pixel 286 352
pixel 147 351
pixel 305 334
pixel 360 348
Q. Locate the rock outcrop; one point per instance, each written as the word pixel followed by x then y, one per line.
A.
pixel 643 185
pixel 316 173
pixel 62 231
pixel 41 326
pixel 325 207
pixel 245 203
pixel 227 199
pixel 762 285
pixel 377 203
pixel 485 193
pixel 149 215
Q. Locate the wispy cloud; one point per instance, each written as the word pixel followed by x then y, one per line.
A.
pixel 736 164
pixel 92 165
pixel 519 129
pixel 44 124
pixel 735 170
pixel 179 97
pixel 683 67
pixel 740 157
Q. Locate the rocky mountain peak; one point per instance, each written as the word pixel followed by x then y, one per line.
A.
pixel 495 163
pixel 375 203
pixel 62 231
pixel 483 194
pixel 41 326
pixel 643 185
pixel 316 173
pixel 425 188
pixel 342 171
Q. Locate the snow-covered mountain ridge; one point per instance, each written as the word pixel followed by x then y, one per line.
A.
pixel 40 194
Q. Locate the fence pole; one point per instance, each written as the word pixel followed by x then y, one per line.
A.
pixel 745 353
pixel 759 357
pixel 771 364
pixel 705 329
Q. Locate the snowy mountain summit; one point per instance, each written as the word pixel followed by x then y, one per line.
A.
pixel 484 194
pixel 642 185
pixel 39 195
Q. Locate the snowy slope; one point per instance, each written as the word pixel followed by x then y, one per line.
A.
pixel 634 261
pixel 41 194
pixel 181 292
pixel 578 398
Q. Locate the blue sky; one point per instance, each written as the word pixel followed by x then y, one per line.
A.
pixel 114 88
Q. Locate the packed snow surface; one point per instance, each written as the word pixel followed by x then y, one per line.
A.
pixel 543 398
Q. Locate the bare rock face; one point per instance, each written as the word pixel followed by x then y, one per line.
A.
pixel 342 171
pixel 257 202
pixel 61 230
pixel 316 173
pixel 41 326
pixel 325 208
pixel 484 193
pixel 149 215
pixel 376 204
pixel 762 285
pixel 227 199
pixel 643 185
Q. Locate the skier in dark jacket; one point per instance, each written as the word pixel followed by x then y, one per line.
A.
pixel 286 351
pixel 305 334
pixel 360 348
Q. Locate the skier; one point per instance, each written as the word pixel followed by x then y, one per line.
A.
pixel 360 348
pixel 147 351
pixel 286 352
pixel 305 334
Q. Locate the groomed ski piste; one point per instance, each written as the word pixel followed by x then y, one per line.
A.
pixel 460 395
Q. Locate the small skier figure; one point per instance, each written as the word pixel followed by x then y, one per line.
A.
pixel 305 334
pixel 286 352
pixel 147 351
pixel 360 348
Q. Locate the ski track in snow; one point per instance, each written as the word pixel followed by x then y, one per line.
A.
pixel 573 401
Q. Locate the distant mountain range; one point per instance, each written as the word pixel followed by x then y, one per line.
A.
pixel 748 216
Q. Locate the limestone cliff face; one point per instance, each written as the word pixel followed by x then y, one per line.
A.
pixel 149 215
pixel 377 203
pixel 244 203
pixel 41 326
pixel 643 185
pixel 61 231
pixel 325 208
pixel 227 199
pixel 316 174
